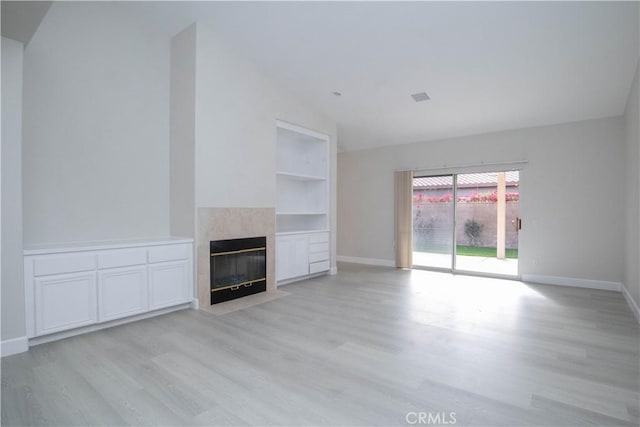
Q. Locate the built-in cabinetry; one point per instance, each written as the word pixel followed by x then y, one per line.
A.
pixel 302 206
pixel 73 287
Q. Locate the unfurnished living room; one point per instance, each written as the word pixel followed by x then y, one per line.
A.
pixel 320 213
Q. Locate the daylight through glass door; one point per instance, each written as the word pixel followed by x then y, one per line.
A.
pixel 467 222
pixel 433 214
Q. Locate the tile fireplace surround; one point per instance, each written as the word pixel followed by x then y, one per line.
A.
pixel 232 223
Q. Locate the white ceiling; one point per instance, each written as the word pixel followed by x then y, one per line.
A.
pixel 487 66
pixel 20 19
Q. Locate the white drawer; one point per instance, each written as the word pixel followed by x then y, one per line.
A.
pixel 319 247
pixel 122 258
pixel 318 237
pixel 318 256
pixel 317 267
pixel 66 263
pixel 168 253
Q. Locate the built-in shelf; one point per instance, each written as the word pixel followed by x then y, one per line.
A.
pixel 302 172
pixel 302 205
pixel 300 177
pixel 301 213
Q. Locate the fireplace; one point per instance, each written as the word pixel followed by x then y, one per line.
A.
pixel 238 268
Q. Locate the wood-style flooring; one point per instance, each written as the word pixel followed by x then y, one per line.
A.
pixel 369 346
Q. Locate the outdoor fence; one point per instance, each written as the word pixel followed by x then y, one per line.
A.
pixel 433 224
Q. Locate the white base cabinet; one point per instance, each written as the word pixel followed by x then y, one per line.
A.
pixel 300 254
pixel 64 301
pixel 73 287
pixel 292 257
pixel 168 284
pixel 122 292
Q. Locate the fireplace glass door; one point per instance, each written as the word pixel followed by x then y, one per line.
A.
pixel 238 268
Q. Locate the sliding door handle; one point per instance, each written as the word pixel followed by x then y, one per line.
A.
pixel 517 223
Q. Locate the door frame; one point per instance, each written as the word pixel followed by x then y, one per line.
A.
pixel 462 170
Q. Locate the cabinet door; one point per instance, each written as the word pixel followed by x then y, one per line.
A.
pixel 282 258
pixel 65 301
pixel 292 256
pixel 169 284
pixel 122 292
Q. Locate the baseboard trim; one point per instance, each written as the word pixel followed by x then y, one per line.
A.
pixel 301 278
pixel 631 303
pixel 14 346
pixel 367 261
pixel 573 282
pixel 195 304
pixel 98 326
pixel 333 271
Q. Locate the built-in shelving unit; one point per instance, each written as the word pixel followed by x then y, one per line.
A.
pixel 302 206
pixel 302 171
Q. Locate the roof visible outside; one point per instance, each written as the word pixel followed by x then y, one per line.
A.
pixel 466 180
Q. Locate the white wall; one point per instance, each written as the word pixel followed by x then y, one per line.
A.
pixel 182 151
pixel 13 324
pixel 96 134
pixel 236 110
pixel 237 106
pixel 632 193
pixel 569 192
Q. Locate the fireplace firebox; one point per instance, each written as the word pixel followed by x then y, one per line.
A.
pixel 238 268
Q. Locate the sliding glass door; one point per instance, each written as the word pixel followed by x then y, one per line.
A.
pixel 467 222
pixel 433 216
pixel 486 214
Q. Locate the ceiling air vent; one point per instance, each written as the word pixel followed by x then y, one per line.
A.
pixel 419 97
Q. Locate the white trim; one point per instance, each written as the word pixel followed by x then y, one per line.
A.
pixel 301 278
pixel 470 168
pixel 289 233
pixel 572 281
pixel 195 304
pixel 367 261
pixel 14 346
pixel 29 297
pixel 91 328
pixel 333 271
pixel 299 129
pixel 632 304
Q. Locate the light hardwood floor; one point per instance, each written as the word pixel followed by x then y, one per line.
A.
pixel 365 347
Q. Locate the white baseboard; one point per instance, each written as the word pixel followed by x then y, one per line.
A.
pixel 574 282
pixel 632 304
pixel 195 304
pixel 14 346
pixel 283 282
pixel 333 271
pixel 367 261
